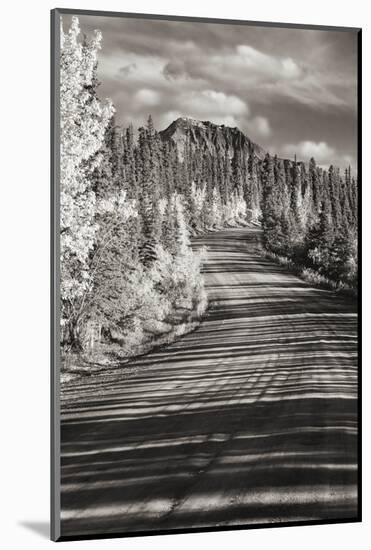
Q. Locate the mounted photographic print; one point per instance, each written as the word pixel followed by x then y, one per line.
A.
pixel 205 212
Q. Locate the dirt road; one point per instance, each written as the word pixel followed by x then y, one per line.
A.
pixel 250 419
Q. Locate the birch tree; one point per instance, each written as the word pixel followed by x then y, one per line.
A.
pixel 83 121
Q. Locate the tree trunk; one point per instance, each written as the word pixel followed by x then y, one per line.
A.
pixel 74 341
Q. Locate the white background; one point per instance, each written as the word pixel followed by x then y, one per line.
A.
pixel 24 232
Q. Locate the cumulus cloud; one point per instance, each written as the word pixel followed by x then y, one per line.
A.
pixel 147 97
pixel 273 66
pixel 290 69
pixel 128 69
pixel 349 160
pixel 165 119
pixel 174 70
pixel 259 126
pixel 131 68
pixel 210 103
pixel 321 151
pixel 270 77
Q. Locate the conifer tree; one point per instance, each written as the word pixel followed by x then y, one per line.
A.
pixel 147 248
pixel 271 213
pixel 315 184
pixel 334 187
pixel 129 168
pixel 253 199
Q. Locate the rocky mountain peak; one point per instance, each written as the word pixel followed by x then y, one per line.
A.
pixel 215 138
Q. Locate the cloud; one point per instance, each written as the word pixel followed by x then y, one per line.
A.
pixel 316 68
pixel 174 70
pixel 324 154
pixel 321 151
pixel 272 66
pixel 128 69
pixel 301 84
pixel 290 69
pixel 165 119
pixel 226 120
pixel 268 77
pixel 349 160
pixel 259 126
pixel 147 98
pixel 213 103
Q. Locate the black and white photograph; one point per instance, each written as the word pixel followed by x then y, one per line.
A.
pixel 206 194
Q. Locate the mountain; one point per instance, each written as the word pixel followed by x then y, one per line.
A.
pixel 216 139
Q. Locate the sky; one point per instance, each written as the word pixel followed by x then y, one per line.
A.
pixel 293 91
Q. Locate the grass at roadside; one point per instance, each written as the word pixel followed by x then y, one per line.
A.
pixel 309 275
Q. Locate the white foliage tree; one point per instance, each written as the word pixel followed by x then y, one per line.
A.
pixel 240 205
pixel 216 216
pixel 236 209
pixel 83 121
pixel 197 199
pixel 182 235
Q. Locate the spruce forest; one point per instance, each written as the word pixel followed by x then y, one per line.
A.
pixel 132 200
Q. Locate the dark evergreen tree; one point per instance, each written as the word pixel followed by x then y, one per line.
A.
pixel 334 188
pixel 315 183
pixel 147 196
pixel 271 211
pixel 129 165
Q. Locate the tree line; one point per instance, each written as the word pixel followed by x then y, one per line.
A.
pixel 309 215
